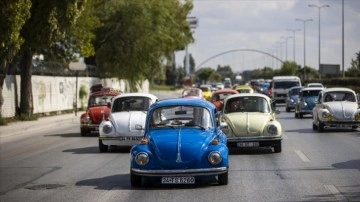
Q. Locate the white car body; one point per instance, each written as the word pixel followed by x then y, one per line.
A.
pixel 339 112
pixel 119 128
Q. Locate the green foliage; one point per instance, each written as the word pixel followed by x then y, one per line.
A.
pixel 289 68
pixel 191 63
pixel 28 117
pixel 137 35
pixel 354 70
pixel 225 71
pixel 2 121
pixel 205 73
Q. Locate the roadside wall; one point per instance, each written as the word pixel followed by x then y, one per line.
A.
pixel 56 93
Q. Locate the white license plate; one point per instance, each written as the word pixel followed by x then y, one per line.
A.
pixel 247 144
pixel 178 180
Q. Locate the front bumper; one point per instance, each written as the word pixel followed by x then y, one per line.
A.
pixel 342 124
pixel 91 128
pixel 120 140
pixel 184 172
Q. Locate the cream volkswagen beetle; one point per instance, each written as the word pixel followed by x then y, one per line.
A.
pixel 248 120
pixel 127 110
pixel 336 107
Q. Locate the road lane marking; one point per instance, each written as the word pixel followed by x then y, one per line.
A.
pixel 336 193
pixel 302 156
pixel 285 137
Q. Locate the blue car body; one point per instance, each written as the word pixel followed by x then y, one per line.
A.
pixel 174 150
pixel 306 101
pixel 292 98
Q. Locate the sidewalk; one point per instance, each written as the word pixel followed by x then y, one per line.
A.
pixel 40 123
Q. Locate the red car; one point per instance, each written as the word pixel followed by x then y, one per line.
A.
pixel 219 96
pixel 97 109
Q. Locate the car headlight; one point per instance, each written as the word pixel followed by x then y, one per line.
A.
pixel 215 158
pixel 291 100
pixel 272 129
pixel 142 158
pixel 107 128
pixel 303 104
pixel 327 115
pixel 85 119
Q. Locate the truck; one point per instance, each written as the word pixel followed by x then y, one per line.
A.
pixel 280 86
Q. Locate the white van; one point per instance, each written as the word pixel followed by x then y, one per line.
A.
pixel 280 86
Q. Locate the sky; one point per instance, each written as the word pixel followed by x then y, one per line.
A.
pixel 262 25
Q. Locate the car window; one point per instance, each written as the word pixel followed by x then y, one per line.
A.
pixel 181 116
pixel 286 84
pixel 310 93
pixel 247 104
pixel 131 104
pixel 339 96
pixel 99 100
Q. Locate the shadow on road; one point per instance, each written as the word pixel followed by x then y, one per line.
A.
pixel 66 135
pixel 95 150
pixel 352 164
pixel 250 151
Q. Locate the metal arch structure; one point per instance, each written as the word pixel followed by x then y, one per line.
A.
pixel 237 50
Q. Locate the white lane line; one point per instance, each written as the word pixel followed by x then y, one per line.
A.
pixel 336 193
pixel 302 156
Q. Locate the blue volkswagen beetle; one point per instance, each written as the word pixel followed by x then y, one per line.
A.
pixel 182 144
pixel 306 101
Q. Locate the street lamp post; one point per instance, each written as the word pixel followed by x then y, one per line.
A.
pixel 304 22
pixel 293 31
pixel 319 8
pixel 286 50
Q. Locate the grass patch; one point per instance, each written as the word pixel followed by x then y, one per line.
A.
pixel 164 87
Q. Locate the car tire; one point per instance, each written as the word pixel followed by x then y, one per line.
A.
pixel 83 132
pixel 223 178
pixel 277 148
pixel 136 180
pixel 314 127
pixel 103 147
pixel 287 109
pixel 320 127
pixel 296 115
pixel 301 115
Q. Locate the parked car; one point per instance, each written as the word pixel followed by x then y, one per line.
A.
pixel 127 110
pixel 292 98
pixel 219 96
pixel 97 109
pixel 206 92
pixel 182 144
pixel 306 101
pixel 248 120
pixel 192 92
pixel 244 89
pixel 336 107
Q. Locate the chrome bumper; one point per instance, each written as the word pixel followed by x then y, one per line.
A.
pixel 185 172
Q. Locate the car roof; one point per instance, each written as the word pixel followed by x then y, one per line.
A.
pixel 312 88
pixel 151 96
pixel 296 87
pixel 225 90
pixel 183 101
pixel 325 90
pixel 248 95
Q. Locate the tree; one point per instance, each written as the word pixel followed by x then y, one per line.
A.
pixel 14 14
pixel 48 23
pixel 139 36
pixel 225 71
pixel 205 73
pixel 191 63
pixel 354 70
pixel 289 68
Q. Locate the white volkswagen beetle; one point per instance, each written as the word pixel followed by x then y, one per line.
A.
pixel 127 110
pixel 336 107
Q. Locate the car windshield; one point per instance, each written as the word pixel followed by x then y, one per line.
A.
pixel 99 100
pixel 181 116
pixel 191 92
pixel 339 96
pixel 131 104
pixel 222 96
pixel 247 104
pixel 310 93
pixel 286 84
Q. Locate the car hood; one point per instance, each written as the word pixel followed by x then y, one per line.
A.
pixel 124 122
pixel 179 148
pixel 342 109
pixel 310 101
pixel 96 114
pixel 247 123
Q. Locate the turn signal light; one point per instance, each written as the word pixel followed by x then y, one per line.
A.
pixel 143 141
pixel 214 142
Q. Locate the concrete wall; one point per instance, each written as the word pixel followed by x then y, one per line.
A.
pixel 55 93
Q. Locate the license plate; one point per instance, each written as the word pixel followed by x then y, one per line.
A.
pixel 178 180
pixel 247 144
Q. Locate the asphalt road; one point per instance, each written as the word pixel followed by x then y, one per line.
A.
pixel 48 160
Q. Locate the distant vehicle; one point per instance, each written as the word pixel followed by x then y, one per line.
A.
pixel 316 85
pixel 227 83
pixel 192 93
pixel 244 89
pixel 97 109
pixel 219 96
pixel 182 144
pixel 336 108
pixel 280 87
pixel 307 100
pixel 220 85
pixel 292 98
pixel 127 111
pixel 206 92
